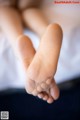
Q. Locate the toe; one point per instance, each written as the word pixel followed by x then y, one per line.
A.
pixel 45 97
pixel 35 92
pixel 50 100
pixel 39 89
pixel 44 86
pixel 30 86
pixel 49 81
pixel 54 91
pixel 40 95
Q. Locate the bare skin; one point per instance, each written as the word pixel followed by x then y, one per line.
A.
pixel 39 68
pixel 40 73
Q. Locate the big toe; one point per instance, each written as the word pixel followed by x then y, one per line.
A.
pixel 30 86
pixel 54 91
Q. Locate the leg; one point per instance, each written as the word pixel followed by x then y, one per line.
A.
pixel 45 64
pixel 11 25
pixel 49 47
pixel 35 20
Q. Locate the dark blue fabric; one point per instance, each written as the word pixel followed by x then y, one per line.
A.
pixel 22 106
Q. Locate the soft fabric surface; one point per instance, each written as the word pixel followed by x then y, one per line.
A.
pixel 11 72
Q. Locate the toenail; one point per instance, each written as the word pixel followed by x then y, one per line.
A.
pixel 28 92
pixel 40 96
pixel 45 98
pixel 56 93
pixel 50 100
pixel 35 92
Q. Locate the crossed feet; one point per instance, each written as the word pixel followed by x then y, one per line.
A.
pixel 41 65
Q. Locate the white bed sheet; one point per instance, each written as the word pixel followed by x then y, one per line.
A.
pixel 11 72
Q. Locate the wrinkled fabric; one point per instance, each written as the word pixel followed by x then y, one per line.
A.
pixel 11 71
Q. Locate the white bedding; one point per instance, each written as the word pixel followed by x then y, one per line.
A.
pixel 11 72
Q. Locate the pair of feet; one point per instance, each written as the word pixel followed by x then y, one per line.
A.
pixel 41 65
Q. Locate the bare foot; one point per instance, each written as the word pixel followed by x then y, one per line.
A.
pixel 24 50
pixel 40 80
